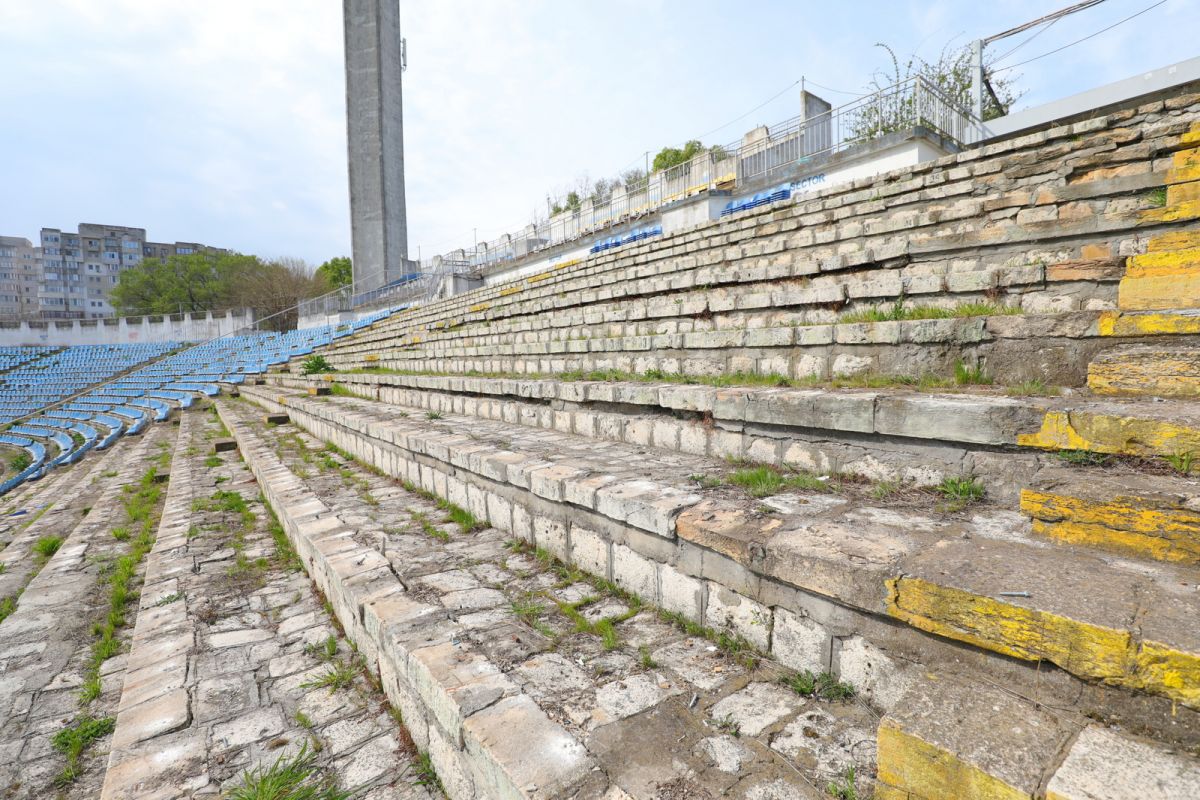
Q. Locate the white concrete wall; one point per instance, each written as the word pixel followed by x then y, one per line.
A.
pixel 125 330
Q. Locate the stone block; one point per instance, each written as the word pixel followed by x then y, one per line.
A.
pixel 799 642
pixel 635 573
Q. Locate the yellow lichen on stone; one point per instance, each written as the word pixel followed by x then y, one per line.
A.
pixel 540 277
pixel 1114 323
pixel 1107 433
pixel 1090 651
pixel 1161 280
pixel 1164 670
pixel 1166 373
pixel 1183 192
pixel 909 767
pixel 480 307
pixel 1177 212
pixel 1175 240
pixel 1123 524
pixel 510 291
pixel 1185 166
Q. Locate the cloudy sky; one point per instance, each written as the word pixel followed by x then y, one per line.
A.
pixel 223 121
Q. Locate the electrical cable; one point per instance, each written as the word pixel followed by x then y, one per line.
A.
pixel 1084 39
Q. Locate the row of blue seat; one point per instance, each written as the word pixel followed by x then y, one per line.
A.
pixel 636 235
pixel 761 199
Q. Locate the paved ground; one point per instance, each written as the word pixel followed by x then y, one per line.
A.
pixel 667 712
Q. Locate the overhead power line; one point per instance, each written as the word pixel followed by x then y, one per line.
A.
pixel 751 111
pixel 1033 23
pixel 1084 39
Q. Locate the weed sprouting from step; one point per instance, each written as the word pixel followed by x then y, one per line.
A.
pixel 1156 198
pixel 766 480
pixel 7 606
pixel 825 685
pixel 646 660
pixel 303 720
pixel 465 520
pixel 1181 462
pixel 428 528
pixel 45 547
pixel 433 415
pixel 213 461
pixel 425 775
pixel 898 312
pixel 325 650
pixel 338 675
pixel 294 777
pixel 705 481
pixel 72 740
pixel 1083 458
pixel 960 492
pixel 727 724
pixel 168 599
pixel 121 534
pixel 967 375
pixel 315 364
pixel 845 787
pixel 1031 388
pixel 141 502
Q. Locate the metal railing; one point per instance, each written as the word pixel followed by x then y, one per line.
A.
pixel 912 103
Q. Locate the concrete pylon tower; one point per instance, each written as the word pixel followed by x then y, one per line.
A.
pixel 375 127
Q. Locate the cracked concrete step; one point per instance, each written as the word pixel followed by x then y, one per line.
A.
pixel 949 738
pixel 1163 371
pixel 1148 516
pixel 1101 619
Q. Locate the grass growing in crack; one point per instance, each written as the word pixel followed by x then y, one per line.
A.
pixel 425 775
pixel 294 777
pixel 168 599
pixel 1157 198
pixel 314 364
pixel 338 675
pixel 898 311
pixel 433 415
pixel 7 606
pixel 213 461
pixel 72 740
pixel 733 646
pixel 465 520
pixel 1083 458
pixel 705 481
pixel 1031 388
pixel 765 480
pixel 141 506
pixel 121 534
pixel 645 659
pixel 967 375
pixel 45 547
pixel 1182 462
pixel 825 685
pixel 285 555
pixel 960 492
pixel 428 528
pixel 727 724
pixel 844 788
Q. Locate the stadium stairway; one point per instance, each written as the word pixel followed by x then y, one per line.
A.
pixel 933 434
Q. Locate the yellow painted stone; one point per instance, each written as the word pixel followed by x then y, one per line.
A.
pixel 1164 263
pixel 1175 240
pixel 1185 166
pixel 1177 212
pixel 571 262
pixel 1090 651
pixel 480 307
pixel 372 357
pixel 1159 293
pixel 541 277
pixel 1182 192
pixel 1122 524
pixel 1169 373
pixel 1114 323
pixel 510 291
pixel 909 767
pixel 1164 670
pixel 1107 433
pixel 1192 136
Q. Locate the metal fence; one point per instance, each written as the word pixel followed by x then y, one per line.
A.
pixel 915 102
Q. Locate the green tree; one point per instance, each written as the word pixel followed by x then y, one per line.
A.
pixel 337 272
pixel 672 156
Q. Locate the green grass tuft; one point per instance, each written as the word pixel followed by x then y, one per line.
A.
pixel 288 778
pixel 961 492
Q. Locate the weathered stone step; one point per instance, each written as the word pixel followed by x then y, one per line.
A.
pixel 953 579
pixel 1169 371
pixel 949 739
pixel 895 434
pixel 1150 516
pixel 229 639
pixel 52 679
